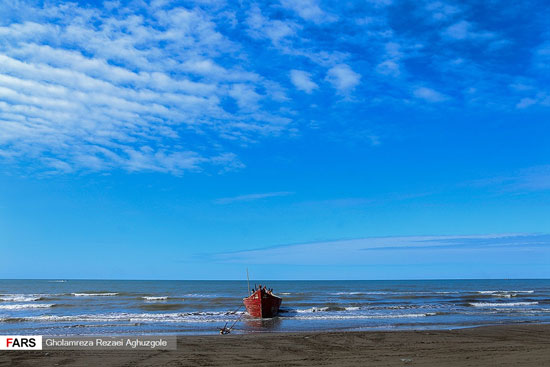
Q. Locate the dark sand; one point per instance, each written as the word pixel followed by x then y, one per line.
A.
pixel 514 345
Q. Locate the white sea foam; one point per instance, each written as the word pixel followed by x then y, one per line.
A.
pixel 193 317
pixel 391 293
pixel 325 309
pixel 25 306
pixel 361 293
pixel 536 311
pixel 160 298
pixel 285 293
pixel 19 297
pixel 108 294
pixel 507 304
pixel 354 317
pixel 200 295
pixel 401 307
pixel 312 309
pixel 421 292
pixel 197 317
pixel 505 292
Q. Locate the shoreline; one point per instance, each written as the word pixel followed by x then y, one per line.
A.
pixel 240 333
pixel 502 345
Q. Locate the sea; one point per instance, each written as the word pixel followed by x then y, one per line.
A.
pixel 125 307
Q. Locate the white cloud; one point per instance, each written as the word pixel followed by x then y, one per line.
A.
pixel 275 30
pixel 83 89
pixel 441 11
pixel 343 78
pixel 302 81
pixel 204 67
pixel 251 197
pixel 526 102
pixel 540 99
pixel 391 65
pixel 388 67
pixel 429 95
pixel 380 3
pixel 527 180
pixel 393 50
pixel 522 85
pixel 309 10
pixel 533 179
pixel 395 251
pixel 245 95
pixel 89 87
pixel 463 30
pixel 542 56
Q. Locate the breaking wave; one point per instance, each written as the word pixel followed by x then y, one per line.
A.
pixel 503 294
pixel 193 317
pixel 25 306
pixel 320 309
pixel 19 297
pixel 154 298
pixel 507 304
pixel 500 292
pixel 201 295
pixel 132 317
pixel 102 294
pixel 355 293
pixel 354 317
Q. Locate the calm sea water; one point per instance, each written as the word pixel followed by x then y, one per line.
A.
pixel 76 307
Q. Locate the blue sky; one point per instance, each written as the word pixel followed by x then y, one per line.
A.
pixel 301 139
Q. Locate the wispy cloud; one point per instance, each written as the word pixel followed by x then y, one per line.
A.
pixel 377 251
pixel 441 11
pixel 343 78
pixel 251 197
pixel 173 88
pixel 310 10
pixel 429 95
pixel 542 56
pixel 464 30
pixel 275 30
pixel 530 179
pixel 93 89
pixel 302 81
pixel 363 201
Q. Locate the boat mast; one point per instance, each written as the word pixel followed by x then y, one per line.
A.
pixel 248 281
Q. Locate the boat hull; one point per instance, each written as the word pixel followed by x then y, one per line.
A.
pixel 262 304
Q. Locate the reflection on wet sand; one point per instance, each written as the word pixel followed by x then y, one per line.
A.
pixel 251 324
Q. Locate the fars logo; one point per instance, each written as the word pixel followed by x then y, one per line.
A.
pixel 19 342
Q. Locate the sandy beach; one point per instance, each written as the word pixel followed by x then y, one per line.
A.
pixel 507 345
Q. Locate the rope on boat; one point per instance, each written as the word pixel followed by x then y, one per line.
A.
pixel 226 330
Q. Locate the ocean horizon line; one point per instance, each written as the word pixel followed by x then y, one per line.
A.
pixel 271 280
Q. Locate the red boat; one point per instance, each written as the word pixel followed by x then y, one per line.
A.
pixel 262 304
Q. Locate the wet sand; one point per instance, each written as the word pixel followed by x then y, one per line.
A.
pixel 509 345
